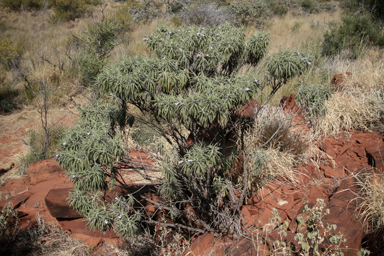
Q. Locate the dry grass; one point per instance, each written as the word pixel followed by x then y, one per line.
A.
pixel 371 195
pixel 360 105
pixel 284 145
pixel 302 33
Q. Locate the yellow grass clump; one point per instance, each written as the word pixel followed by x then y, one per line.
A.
pixel 360 104
pixel 284 146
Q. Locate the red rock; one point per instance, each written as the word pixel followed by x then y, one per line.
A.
pixel 78 226
pixel 246 217
pixel 333 172
pixel 40 171
pixel 57 204
pixel 201 246
pixel 90 241
pixel 342 208
pixel 247 111
pixel 16 200
pixel 12 186
pixel 288 103
pixel 337 81
pixel 317 192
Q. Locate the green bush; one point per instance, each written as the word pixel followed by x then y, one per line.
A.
pixel 36 142
pixel 7 94
pixel 66 10
pixel 9 222
pixel 313 97
pixel 286 64
pixel 251 12
pixel 143 11
pixel 14 5
pixel 189 83
pixel 93 47
pixel 10 53
pixel 355 34
pixel 308 5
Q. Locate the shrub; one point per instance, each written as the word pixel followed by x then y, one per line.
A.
pixel 9 222
pixel 356 33
pixel 188 89
pixel 144 11
pixel 123 19
pixel 94 48
pixel 10 53
pixel 14 5
pixel 7 94
pixel 313 97
pixel 286 64
pixel 308 5
pixel 36 141
pixel 67 9
pixel 251 12
pixel 206 15
pixel 311 231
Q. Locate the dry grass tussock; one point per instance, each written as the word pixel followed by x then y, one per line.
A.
pixel 360 104
pixel 49 240
pixel 371 206
pixel 283 145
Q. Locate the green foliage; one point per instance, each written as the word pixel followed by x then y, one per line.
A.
pixel 374 7
pixel 313 97
pixel 94 48
pixel 36 141
pixel 142 11
pixel 308 5
pixel 189 87
pixel 14 5
pixel 356 33
pixel 251 12
pixel 287 64
pixel 9 222
pixel 204 14
pixel 66 10
pixel 7 94
pixel 311 231
pixel 10 53
pixel 123 19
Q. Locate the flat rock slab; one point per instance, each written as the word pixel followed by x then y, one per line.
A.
pixel 17 200
pixel 56 201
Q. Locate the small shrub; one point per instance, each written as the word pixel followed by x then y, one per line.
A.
pixel 10 53
pixel 313 97
pixel 93 49
pixel 144 11
pixel 14 5
pixel 356 33
pixel 206 15
pixel 308 5
pixel 36 141
pixel 9 222
pixel 251 12
pixel 123 19
pixel 67 10
pixel 286 64
pixel 7 94
pixel 311 231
